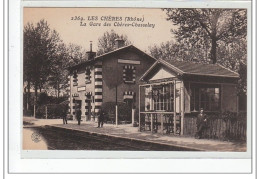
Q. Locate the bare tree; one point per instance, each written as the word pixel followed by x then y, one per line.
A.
pixel 106 43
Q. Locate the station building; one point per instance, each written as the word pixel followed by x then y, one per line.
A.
pixel 171 91
pixel 110 77
pixel 165 92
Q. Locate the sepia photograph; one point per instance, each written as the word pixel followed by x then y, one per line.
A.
pixel 147 79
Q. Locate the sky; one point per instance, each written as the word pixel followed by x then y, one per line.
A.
pixel 71 31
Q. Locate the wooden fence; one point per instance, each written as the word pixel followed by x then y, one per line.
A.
pixel 218 128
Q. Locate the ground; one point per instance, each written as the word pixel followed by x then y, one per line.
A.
pixel 122 137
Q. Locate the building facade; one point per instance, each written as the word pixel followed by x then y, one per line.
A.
pixel 110 77
pixel 169 91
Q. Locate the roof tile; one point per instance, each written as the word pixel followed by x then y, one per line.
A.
pixel 203 69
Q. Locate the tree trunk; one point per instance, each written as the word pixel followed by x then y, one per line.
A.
pixel 28 95
pixel 58 91
pixel 213 51
pixel 35 92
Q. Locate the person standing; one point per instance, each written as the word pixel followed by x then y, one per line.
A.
pixel 78 115
pixel 201 123
pixel 101 118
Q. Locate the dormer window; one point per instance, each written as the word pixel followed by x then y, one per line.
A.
pixel 129 74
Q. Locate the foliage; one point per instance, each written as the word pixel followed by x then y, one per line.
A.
pixel 166 51
pixel 106 43
pixel 208 27
pixel 178 51
pixel 242 83
pixel 66 56
pixel 124 110
pixel 46 59
pixel 54 111
pixel 40 43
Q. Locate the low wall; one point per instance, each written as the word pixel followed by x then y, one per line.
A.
pixel 218 127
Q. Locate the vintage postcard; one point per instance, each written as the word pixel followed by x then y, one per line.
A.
pixel 135 79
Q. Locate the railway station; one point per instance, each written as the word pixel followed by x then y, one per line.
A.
pixel 172 93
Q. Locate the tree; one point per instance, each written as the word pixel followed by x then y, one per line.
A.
pixel 232 54
pixel 65 57
pixel 75 55
pixel 166 51
pixel 40 47
pixel 106 43
pixel 208 26
pixel 242 83
pixel 178 51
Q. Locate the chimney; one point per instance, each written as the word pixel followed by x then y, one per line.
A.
pixel 90 55
pixel 119 43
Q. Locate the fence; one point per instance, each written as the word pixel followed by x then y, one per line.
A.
pixel 218 127
pixel 53 111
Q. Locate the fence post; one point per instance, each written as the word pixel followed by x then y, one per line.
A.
pixel 133 116
pixel 34 108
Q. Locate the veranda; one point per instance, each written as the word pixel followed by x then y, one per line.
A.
pixel 170 91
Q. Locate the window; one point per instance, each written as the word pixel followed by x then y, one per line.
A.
pixel 163 97
pixel 206 97
pixel 129 74
pixel 75 78
pixel 88 75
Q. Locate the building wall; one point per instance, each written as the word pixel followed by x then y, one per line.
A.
pixel 104 77
pixel 113 75
pixel 89 87
pixel 229 98
pixel 186 97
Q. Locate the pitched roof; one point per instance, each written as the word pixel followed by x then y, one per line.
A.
pixel 203 69
pixel 112 52
pixel 123 48
pixel 190 68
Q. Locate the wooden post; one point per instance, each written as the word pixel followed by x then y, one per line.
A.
pixel 174 107
pixel 34 108
pixel 151 108
pixel 139 108
pixel 133 116
pixel 221 98
pixel 161 116
pixel 151 123
pixel 182 98
pixel 116 115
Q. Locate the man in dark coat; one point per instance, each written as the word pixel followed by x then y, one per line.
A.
pixel 201 123
pixel 101 118
pixel 78 115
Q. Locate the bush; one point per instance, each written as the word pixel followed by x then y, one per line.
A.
pixel 124 110
pixel 53 111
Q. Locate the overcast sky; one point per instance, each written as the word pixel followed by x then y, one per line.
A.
pixel 71 32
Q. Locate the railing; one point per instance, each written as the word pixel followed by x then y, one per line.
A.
pixel 159 121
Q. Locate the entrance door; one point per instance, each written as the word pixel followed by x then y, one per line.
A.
pixel 89 110
pixel 130 104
